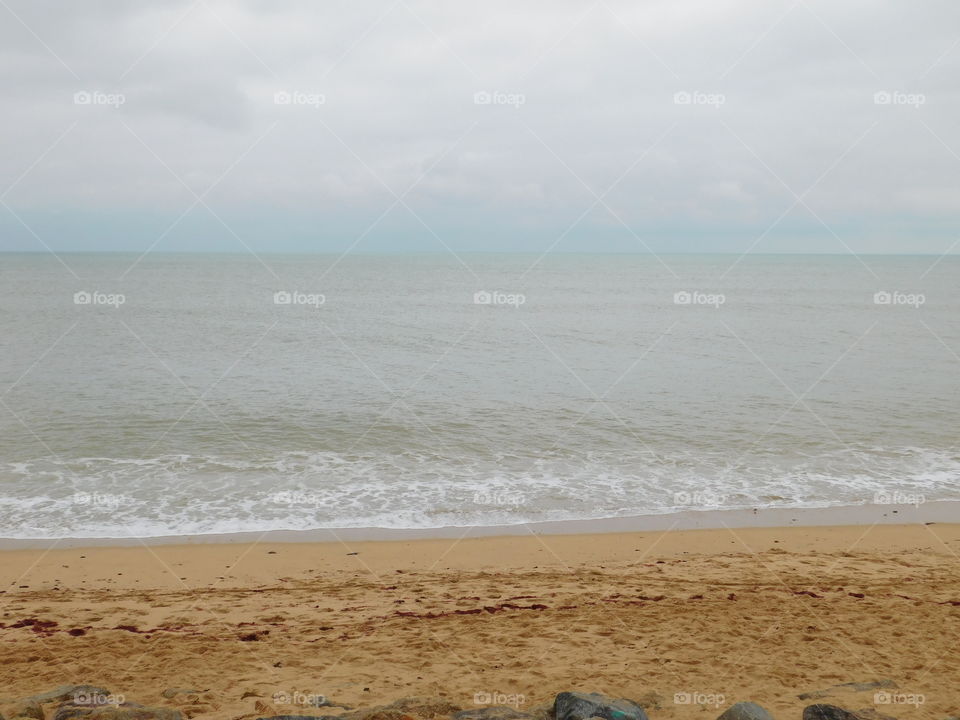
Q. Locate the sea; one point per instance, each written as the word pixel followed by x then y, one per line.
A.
pixel 158 394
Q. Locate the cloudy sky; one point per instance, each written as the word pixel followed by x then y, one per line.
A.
pixel 703 125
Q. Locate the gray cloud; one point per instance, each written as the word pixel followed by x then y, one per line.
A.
pixel 785 100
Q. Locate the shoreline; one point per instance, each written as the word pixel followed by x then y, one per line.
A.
pixel 943 511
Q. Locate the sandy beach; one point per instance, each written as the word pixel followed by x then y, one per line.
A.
pixel 684 622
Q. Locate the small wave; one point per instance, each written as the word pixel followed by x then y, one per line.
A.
pixel 197 495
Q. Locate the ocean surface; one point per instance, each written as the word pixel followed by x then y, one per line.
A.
pixel 193 394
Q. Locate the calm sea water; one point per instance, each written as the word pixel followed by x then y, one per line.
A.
pixel 384 395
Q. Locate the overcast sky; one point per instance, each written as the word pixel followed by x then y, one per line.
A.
pixel 713 125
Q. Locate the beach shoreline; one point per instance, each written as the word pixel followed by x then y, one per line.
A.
pixel 707 519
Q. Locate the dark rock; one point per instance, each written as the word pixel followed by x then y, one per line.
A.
pixel 582 706
pixel 745 711
pixel 827 712
pixel 832 712
pixel 124 711
pixel 493 712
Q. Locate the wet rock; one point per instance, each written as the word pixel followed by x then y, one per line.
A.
pixel 582 706
pixel 832 712
pixel 745 711
pixel 493 712
pixel 823 711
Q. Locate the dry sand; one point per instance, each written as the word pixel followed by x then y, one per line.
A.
pixel 758 614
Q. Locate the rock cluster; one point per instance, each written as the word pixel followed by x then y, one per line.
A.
pixel 88 702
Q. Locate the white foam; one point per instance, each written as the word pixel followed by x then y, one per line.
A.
pixel 190 495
